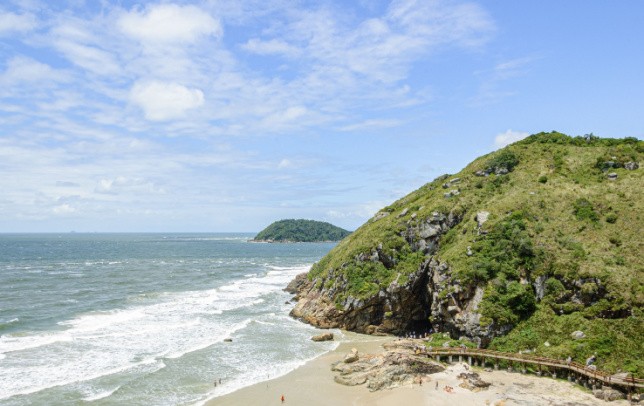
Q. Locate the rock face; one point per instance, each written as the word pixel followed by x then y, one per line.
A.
pixel 401 306
pixel 409 306
pixel 296 284
pixel 397 366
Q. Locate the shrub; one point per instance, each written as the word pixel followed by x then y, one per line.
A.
pixel 507 302
pixel 611 218
pixel 543 179
pixel 583 210
pixel 616 241
pixel 506 250
pixel 504 159
pixel 554 287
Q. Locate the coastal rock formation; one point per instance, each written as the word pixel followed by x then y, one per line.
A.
pixel 507 250
pixel 397 366
pixel 296 284
pixel 402 305
pixel 472 381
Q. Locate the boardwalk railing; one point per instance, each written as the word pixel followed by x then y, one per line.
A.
pixel 592 373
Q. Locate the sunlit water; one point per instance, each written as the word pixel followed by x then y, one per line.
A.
pixel 140 319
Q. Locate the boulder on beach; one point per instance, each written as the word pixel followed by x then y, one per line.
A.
pixel 323 337
pixel 608 394
pixel 352 356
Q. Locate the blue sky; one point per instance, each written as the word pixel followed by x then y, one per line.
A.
pixel 220 115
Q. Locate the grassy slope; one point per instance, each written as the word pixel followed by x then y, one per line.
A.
pixel 569 248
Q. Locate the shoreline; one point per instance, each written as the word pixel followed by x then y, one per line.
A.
pixel 313 384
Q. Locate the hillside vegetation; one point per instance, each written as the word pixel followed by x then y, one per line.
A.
pixel 301 231
pixel 520 249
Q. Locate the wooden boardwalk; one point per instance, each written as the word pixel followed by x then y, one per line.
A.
pixel 593 375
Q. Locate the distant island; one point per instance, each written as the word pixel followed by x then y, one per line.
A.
pixel 301 231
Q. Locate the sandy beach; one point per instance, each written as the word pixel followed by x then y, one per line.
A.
pixel 313 384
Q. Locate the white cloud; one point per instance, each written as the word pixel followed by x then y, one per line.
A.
pixel 10 22
pixel 271 47
pixel 492 87
pixel 508 137
pixel 512 67
pixel 21 69
pixel 169 24
pixel 131 186
pixel 88 57
pixel 165 101
pixel 63 209
pixel 286 117
pixel 371 123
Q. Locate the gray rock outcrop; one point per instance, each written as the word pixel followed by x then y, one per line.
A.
pixel 296 284
pixel 608 394
pixel 631 166
pixel 577 335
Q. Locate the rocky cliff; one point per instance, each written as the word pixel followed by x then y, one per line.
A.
pixel 547 229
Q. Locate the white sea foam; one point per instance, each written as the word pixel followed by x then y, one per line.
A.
pixel 100 394
pixel 260 373
pixel 97 344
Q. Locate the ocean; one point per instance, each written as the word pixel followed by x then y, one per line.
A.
pixel 140 319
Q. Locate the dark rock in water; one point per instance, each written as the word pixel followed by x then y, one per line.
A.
pixel 323 337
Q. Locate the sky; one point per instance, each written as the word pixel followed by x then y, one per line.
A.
pixel 224 116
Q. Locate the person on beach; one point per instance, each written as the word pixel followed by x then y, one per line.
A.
pixel 282 398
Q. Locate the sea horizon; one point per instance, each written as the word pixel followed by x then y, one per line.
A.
pixel 141 318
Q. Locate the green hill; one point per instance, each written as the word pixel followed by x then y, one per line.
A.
pixel 519 250
pixel 301 231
